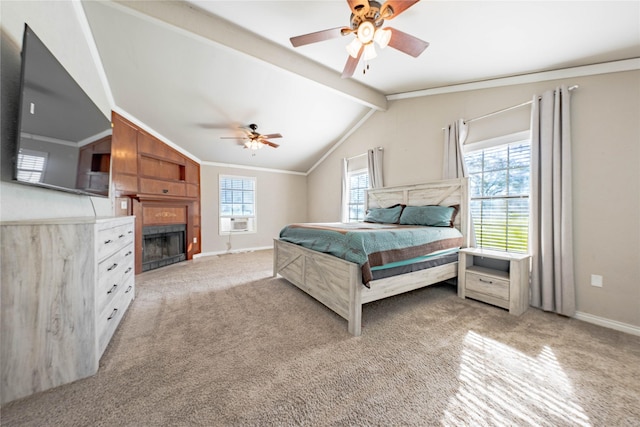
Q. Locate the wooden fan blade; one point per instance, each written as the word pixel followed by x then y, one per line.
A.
pixel 233 137
pixel 397 7
pixel 318 36
pixel 271 135
pixel 351 64
pixel 359 7
pixel 406 43
pixel 269 143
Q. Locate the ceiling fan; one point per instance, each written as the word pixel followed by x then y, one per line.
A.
pixel 367 18
pixel 254 140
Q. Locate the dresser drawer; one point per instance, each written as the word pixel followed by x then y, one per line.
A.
pixel 113 239
pixel 487 285
pixel 113 273
pixel 109 318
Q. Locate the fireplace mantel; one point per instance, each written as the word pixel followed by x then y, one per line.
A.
pixel 154 211
pixel 160 198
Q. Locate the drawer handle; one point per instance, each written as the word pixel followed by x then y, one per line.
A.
pixel 128 289
pixel 113 313
pixel 127 270
pixel 115 264
pixel 121 236
pixel 106 242
pixel 130 232
pixel 112 289
pixel 165 191
pixel 128 253
pixel 486 281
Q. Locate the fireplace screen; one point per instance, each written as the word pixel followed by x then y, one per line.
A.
pixel 163 245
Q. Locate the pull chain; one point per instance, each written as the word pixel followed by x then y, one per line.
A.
pixel 365 68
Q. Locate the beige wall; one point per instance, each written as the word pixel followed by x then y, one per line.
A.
pixel 606 174
pixel 281 199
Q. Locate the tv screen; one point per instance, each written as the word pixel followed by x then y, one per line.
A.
pixel 64 140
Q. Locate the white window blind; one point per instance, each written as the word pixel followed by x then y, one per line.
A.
pixel 31 165
pixel 358 185
pixel 499 192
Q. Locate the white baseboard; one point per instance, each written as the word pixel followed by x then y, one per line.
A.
pixel 608 323
pixel 235 251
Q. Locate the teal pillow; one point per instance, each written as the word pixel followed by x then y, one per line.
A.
pixel 389 215
pixel 434 216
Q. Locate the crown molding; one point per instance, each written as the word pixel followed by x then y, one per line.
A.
pixel 566 73
pixel 253 168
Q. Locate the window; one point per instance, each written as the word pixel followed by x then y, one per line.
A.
pixel 358 185
pixel 31 165
pixel 499 192
pixel 237 204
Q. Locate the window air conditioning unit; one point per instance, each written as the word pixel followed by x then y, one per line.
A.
pixel 239 224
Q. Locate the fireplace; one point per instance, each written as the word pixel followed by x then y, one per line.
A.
pixel 163 245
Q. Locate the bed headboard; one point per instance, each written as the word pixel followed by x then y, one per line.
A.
pixel 448 192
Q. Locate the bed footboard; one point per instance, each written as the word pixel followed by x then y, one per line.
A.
pixel 337 283
pixel 332 281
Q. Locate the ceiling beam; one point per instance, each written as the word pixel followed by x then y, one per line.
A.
pixel 193 21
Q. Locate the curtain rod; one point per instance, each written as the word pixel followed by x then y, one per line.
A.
pixel 363 154
pixel 504 110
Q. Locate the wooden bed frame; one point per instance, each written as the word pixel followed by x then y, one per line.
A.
pixel 338 283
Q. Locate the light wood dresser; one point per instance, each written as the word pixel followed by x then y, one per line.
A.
pixel 498 278
pixel 66 284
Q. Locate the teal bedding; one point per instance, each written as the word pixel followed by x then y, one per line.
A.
pixel 372 244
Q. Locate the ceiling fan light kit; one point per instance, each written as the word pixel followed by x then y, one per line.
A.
pixel 253 145
pixel 367 18
pixel 254 140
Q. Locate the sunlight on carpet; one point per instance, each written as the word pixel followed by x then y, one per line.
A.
pixel 500 385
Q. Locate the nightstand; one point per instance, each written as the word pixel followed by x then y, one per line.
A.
pixel 497 278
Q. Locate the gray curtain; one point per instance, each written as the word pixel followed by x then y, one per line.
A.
pixel 453 165
pixel 454 136
pixel 344 208
pixel 374 157
pixel 551 232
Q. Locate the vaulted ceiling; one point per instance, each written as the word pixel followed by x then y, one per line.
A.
pixel 196 71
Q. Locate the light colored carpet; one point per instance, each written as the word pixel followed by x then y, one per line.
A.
pixel 219 342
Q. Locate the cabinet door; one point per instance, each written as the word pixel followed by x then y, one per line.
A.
pixel 148 144
pixel 124 149
pixel 192 172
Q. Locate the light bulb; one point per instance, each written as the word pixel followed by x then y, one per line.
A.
pixel 354 47
pixel 370 52
pixel 366 31
pixel 382 37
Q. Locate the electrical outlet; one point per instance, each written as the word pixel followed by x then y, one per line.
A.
pixel 596 280
pixel 123 204
pixel 195 240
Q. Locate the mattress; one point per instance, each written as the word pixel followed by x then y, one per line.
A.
pixel 415 264
pixel 370 244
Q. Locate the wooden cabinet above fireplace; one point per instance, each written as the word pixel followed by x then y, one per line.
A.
pixel 145 166
pixel 148 176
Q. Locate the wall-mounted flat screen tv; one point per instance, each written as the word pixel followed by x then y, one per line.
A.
pixel 64 140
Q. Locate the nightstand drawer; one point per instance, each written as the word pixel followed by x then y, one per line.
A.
pixel 487 285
